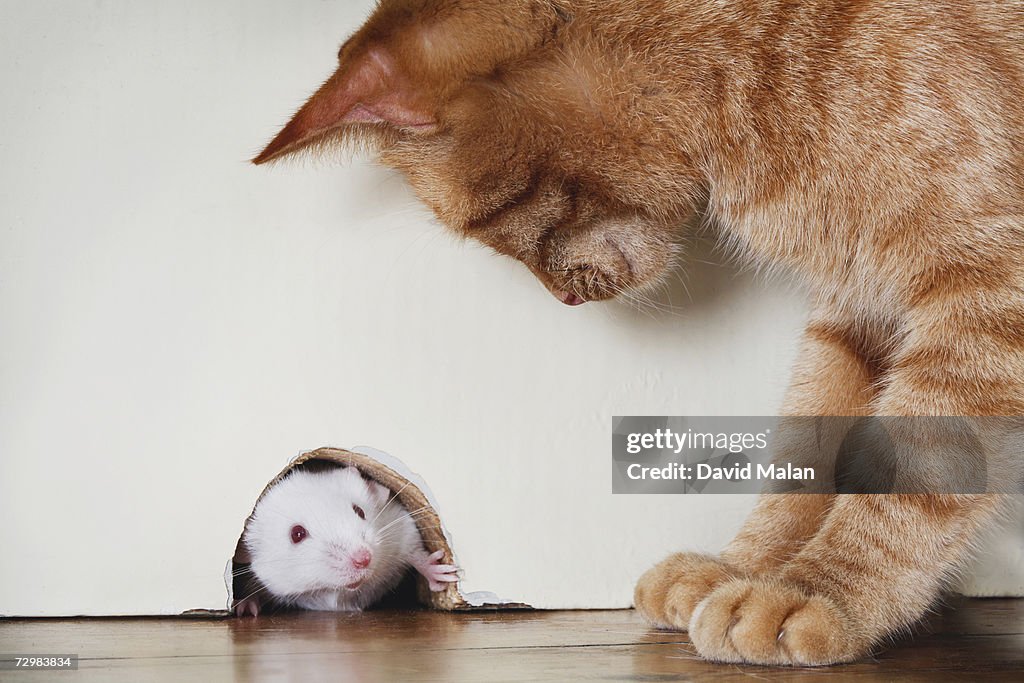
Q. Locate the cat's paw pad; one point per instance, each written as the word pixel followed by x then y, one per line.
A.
pixel 667 594
pixel 439 575
pixel 762 621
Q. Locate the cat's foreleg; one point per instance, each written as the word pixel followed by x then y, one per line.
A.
pixel 879 561
pixel 831 378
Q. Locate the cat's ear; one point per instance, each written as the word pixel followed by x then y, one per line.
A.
pixel 370 86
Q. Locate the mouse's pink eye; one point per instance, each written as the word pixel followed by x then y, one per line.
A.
pixel 299 533
pixel 359 511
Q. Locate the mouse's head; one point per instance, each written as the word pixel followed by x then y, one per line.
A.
pixel 315 531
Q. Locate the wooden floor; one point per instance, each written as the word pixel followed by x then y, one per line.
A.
pixel 980 640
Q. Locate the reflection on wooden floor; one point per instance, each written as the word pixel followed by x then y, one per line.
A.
pixel 980 640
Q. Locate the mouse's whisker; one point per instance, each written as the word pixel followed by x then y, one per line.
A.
pixel 390 500
pixel 410 513
pixel 414 514
pixel 256 592
pixel 381 535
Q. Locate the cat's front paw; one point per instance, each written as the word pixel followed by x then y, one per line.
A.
pixel 438 575
pixel 667 594
pixel 765 621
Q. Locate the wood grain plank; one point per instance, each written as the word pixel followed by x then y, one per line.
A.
pixel 982 640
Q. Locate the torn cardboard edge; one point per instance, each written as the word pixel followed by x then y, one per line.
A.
pixel 414 494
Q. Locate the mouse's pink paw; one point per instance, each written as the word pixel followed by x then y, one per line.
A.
pixel 438 575
pixel 764 621
pixel 249 605
pixel 668 592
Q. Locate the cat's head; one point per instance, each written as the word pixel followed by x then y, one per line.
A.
pixel 517 129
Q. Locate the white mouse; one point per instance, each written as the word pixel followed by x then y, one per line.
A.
pixel 333 540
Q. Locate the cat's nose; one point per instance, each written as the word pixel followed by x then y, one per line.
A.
pixel 361 558
pixel 568 298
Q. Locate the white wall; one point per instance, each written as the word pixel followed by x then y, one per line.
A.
pixel 175 324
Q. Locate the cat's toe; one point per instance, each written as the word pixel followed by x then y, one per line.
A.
pixel 762 621
pixel 667 594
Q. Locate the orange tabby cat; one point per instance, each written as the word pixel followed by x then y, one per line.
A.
pixel 873 147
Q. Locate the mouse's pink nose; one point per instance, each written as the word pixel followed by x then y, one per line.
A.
pixel 361 558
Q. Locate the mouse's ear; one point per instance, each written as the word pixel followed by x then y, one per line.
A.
pixel 370 86
pixel 352 472
pixel 379 493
